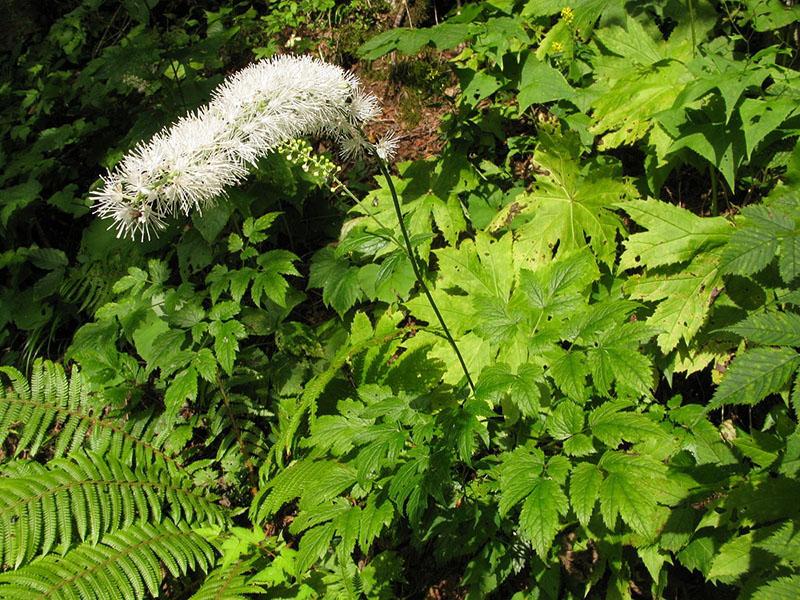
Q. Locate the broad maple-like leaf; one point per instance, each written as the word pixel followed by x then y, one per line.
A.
pixel 571 205
pixel 685 295
pixel 680 252
pixel 643 79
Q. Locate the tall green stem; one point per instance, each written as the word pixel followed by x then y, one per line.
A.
pixel 418 272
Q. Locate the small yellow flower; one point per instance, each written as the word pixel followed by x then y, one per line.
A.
pixel 567 14
pixel 557 47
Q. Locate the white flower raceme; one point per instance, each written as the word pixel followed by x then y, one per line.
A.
pixel 186 166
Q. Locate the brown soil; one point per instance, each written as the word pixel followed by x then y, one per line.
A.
pixel 412 116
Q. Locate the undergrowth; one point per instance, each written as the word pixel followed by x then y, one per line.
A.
pixel 262 402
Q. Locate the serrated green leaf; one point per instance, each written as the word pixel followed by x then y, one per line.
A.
pixel 623 493
pixel 579 445
pixel 762 117
pixel 569 372
pixel 226 342
pixel 771 329
pixel 611 425
pixel 314 545
pixel 540 83
pixel 166 352
pixel 337 278
pixel 222 311
pixel 539 518
pixel 521 386
pixel 633 42
pixel 557 289
pixel 699 554
pixel 783 544
pixel 624 110
pixel 615 359
pixel 205 364
pixel 569 207
pixel 673 235
pixel 731 78
pixel 389 281
pixel 789 259
pixel 239 282
pixel 565 421
pixel 374 517
pixel 755 242
pixel 732 560
pixel 235 242
pixel 183 387
pixel 684 295
pixel 782 588
pixel 755 374
pixel 477 85
pixel 263 222
pixel 518 474
pixel 584 489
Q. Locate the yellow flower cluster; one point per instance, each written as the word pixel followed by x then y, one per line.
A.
pixel 567 14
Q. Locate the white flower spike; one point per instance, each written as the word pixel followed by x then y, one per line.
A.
pixel 187 165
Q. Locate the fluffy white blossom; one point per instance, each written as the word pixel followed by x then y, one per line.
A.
pixel 187 165
pixel 386 147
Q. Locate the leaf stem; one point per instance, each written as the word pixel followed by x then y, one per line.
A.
pixel 418 272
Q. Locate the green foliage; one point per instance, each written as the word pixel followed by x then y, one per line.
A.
pixel 263 403
pixel 125 564
pixel 40 505
pixel 61 413
pixel 229 582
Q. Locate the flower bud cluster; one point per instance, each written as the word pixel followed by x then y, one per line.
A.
pixel 186 166
pixel 299 152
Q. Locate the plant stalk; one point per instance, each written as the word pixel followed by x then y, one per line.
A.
pixel 418 272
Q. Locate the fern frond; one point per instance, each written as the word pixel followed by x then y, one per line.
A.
pixel 314 481
pixel 87 496
pixel 38 406
pixel 126 564
pixel 234 427
pixel 90 285
pixel 228 582
pixel 384 333
pixel 59 411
